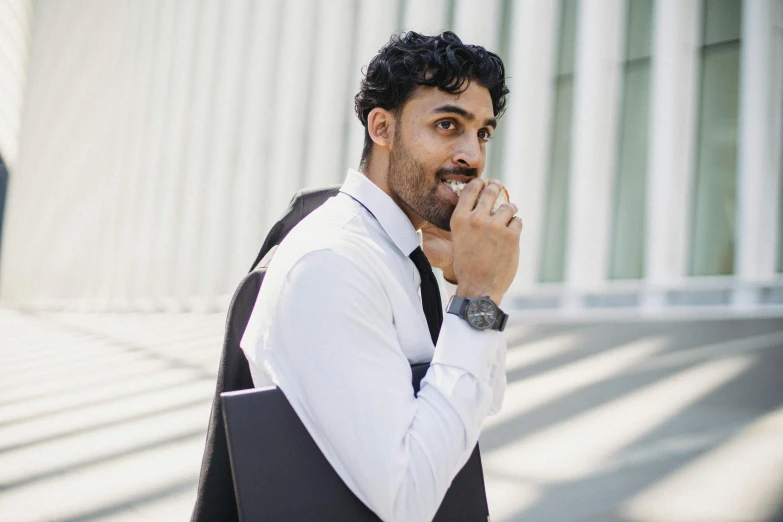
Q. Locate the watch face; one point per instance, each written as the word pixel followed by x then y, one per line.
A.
pixel 481 313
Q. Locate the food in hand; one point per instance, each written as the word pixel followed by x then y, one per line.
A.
pixel 503 197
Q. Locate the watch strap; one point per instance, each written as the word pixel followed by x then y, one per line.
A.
pixel 457 306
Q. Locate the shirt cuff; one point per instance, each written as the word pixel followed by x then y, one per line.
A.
pixel 449 288
pixel 462 346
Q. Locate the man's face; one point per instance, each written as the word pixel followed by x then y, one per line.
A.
pixel 440 137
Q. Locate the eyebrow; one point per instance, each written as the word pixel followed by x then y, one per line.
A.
pixel 454 109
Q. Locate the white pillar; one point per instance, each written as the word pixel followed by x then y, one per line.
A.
pixel 425 16
pixel 257 136
pixel 328 112
pixel 526 126
pixel 758 173
pixel 477 22
pixel 226 114
pixel 290 117
pixel 594 141
pixel 113 31
pixel 173 161
pixel 377 21
pixel 198 149
pixel 157 118
pixel 135 202
pixel 125 192
pixel 114 189
pixel 673 104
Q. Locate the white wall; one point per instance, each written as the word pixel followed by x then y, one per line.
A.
pixel 161 138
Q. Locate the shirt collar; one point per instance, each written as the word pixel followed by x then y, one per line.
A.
pixel 389 215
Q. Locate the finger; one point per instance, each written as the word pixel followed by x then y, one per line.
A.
pixel 515 224
pixel 488 197
pixel 505 212
pixel 470 194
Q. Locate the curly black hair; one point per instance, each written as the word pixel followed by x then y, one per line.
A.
pixel 412 59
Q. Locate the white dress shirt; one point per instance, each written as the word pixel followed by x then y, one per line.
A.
pixel 336 325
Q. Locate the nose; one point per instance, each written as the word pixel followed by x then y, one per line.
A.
pixel 469 152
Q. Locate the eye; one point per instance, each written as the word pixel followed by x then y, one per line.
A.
pixel 445 125
pixel 484 135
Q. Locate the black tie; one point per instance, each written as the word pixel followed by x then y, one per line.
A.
pixel 430 295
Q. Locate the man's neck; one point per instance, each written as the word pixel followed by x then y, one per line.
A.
pixel 377 171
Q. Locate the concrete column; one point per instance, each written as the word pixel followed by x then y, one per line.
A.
pixel 172 160
pixel 132 203
pixel 478 22
pixel 290 117
pixel 150 108
pixel 227 115
pixel 673 108
pixel 427 17
pixel 377 20
pixel 256 137
pixel 190 244
pixel 327 101
pixel 758 183
pixel 113 33
pixel 596 89
pixel 156 117
pixel 125 192
pixel 96 237
pixel 526 126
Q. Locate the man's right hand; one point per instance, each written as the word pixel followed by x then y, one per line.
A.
pixel 486 247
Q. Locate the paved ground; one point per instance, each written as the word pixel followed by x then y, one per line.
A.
pixel 102 417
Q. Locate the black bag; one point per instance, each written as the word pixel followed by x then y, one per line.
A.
pixel 294 481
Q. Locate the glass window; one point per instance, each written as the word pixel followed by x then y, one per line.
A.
pixel 716 154
pixel 556 213
pixel 628 234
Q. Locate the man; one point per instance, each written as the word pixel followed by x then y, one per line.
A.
pixel 339 319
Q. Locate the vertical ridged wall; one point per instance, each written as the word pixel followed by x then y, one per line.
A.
pixel 161 138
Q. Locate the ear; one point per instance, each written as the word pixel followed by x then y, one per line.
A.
pixel 380 126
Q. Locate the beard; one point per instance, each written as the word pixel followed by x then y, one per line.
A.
pixel 418 189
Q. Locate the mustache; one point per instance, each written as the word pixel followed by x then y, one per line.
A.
pixel 457 171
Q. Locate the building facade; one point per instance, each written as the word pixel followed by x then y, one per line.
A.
pixel 156 141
